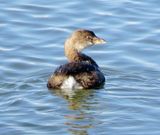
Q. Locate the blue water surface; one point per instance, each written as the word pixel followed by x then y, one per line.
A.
pixel 32 34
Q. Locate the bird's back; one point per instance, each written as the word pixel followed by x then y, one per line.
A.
pixel 76 75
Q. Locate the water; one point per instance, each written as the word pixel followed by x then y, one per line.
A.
pixel 31 47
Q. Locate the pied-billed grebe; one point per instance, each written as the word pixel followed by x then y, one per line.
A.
pixel 81 72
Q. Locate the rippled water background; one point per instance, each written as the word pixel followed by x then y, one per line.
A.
pixel 32 34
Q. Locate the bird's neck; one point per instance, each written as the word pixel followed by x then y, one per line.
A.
pixel 71 52
pixel 74 55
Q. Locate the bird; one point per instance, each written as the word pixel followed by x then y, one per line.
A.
pixel 81 71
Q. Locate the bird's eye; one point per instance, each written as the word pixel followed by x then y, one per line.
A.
pixel 87 37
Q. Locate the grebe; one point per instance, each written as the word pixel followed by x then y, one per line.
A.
pixel 82 72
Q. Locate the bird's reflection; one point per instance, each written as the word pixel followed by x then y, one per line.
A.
pixel 79 120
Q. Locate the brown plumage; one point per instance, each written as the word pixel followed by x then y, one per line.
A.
pixel 81 67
